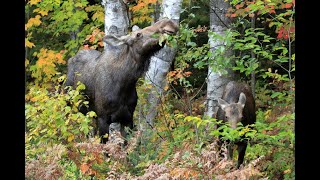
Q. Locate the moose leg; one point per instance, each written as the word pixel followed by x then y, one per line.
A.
pixel 230 150
pixel 242 146
pixel 103 129
pixel 123 132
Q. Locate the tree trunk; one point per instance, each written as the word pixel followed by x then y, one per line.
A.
pixel 116 23
pixel 253 56
pixel 116 17
pixel 216 81
pixel 160 64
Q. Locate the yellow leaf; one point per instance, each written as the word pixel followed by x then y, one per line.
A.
pixel 106 135
pixel 33 22
pixel 26 62
pixel 62 78
pixel 287 171
pixel 70 138
pixel 166 88
pixel 42 12
pixel 28 43
pixel 32 2
pixel 267 114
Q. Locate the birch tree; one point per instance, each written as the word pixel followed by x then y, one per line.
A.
pixel 160 63
pixel 116 23
pixel 216 79
pixel 116 17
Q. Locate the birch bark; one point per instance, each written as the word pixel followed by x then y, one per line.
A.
pixel 116 23
pixel 160 64
pixel 216 81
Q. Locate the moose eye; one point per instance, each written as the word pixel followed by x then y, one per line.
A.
pixel 139 34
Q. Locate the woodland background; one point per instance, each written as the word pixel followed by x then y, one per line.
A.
pixel 251 41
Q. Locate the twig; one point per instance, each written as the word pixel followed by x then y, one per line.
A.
pixel 219 17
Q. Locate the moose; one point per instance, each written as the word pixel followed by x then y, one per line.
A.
pixel 110 77
pixel 237 105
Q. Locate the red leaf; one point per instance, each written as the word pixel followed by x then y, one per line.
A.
pixel 292 29
pixel 272 11
pixel 233 15
pixel 288 5
pixel 280 33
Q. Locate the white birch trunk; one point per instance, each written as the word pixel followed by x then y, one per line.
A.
pixel 160 64
pixel 216 81
pixel 116 20
pixel 116 23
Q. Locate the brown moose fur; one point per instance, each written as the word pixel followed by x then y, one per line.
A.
pixel 110 77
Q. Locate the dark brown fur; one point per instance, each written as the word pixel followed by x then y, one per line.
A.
pixel 110 77
pixel 232 110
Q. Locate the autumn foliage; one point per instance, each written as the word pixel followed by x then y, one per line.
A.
pixel 182 143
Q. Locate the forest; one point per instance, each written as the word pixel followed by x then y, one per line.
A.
pixel 181 126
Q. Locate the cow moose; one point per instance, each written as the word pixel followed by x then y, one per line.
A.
pixel 110 77
pixel 237 105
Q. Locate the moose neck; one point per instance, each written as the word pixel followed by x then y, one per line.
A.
pixel 140 62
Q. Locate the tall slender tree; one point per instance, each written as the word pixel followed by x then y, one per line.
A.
pixel 116 23
pixel 160 63
pixel 116 17
pixel 216 81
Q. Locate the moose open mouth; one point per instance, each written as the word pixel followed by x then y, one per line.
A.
pixel 169 32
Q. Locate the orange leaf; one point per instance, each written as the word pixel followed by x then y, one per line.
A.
pixel 84 168
pixel 238 6
pixel 138 6
pixel 179 75
pixel 187 73
pixel 233 15
pixel 152 1
pixel 100 44
pixel 171 73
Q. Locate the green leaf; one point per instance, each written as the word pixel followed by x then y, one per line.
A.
pixel 92 114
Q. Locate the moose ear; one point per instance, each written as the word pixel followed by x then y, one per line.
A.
pixel 223 104
pixel 135 28
pixel 114 40
pixel 242 99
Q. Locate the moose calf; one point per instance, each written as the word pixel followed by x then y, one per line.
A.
pixel 237 105
pixel 110 77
